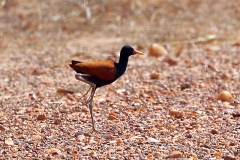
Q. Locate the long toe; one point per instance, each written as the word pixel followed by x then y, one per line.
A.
pixel 88 100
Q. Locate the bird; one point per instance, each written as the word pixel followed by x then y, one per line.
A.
pixel 101 73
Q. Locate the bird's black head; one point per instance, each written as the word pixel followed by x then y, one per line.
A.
pixel 127 51
pixel 121 66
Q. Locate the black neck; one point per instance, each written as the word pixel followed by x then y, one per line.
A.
pixel 123 60
pixel 121 66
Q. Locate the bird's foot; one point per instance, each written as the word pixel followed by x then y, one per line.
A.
pixel 86 94
pixel 95 131
pixel 86 102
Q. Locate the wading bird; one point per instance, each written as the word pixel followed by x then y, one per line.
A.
pixel 100 73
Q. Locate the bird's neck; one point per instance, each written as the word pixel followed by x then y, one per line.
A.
pixel 121 66
pixel 123 61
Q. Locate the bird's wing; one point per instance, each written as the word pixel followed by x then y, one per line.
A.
pixel 104 70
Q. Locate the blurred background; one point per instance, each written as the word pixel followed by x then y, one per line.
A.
pixel 42 37
pixel 28 23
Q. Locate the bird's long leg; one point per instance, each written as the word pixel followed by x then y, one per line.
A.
pixel 90 104
pixel 93 86
pixel 79 77
pixel 90 108
pixel 86 92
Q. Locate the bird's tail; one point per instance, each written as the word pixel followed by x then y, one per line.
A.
pixel 75 66
pixel 74 63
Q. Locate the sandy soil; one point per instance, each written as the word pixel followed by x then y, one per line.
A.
pixel 162 107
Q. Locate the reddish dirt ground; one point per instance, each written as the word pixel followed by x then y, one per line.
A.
pixel 162 107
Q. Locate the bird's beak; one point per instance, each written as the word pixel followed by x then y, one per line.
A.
pixel 138 52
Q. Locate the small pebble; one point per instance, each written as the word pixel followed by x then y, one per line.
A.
pixel 154 75
pixel 54 151
pixel 214 131
pixel 185 85
pixel 36 106
pixel 108 137
pixel 16 142
pixel 237 44
pixel 225 96
pixel 80 138
pixel 112 113
pixel 217 154
pixel 175 113
pixel 9 141
pixel 189 135
pixel 37 137
pixel 236 113
pixel 152 140
pixel 85 110
pixel 172 127
pixel 112 117
pixel 175 154
pixel 2 128
pixel 91 153
pixel 63 91
pixel 157 50
pixel 57 121
pixel 119 141
pixel 233 143
pixel 32 96
pixel 41 117
pixel 150 156
pixel 170 61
